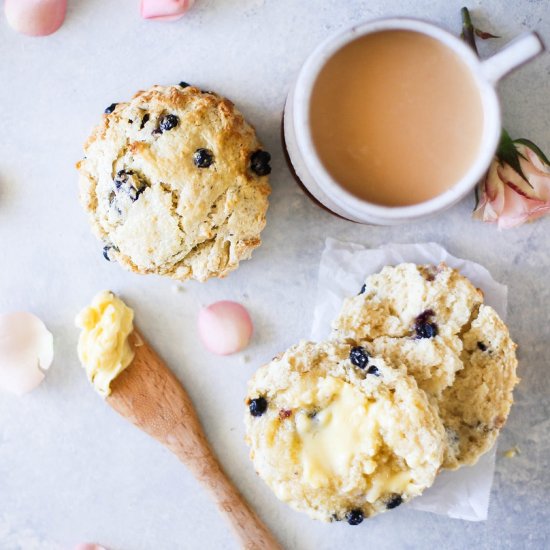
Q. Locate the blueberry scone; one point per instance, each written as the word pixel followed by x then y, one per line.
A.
pixel 175 183
pixel 432 321
pixel 337 433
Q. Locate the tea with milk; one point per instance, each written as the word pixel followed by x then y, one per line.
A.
pixel 396 117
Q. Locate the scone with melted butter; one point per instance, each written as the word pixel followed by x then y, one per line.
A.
pixel 175 183
pixel 337 433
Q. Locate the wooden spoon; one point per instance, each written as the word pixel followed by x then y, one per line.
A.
pixel 149 395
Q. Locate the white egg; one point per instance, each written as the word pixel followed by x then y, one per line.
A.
pixel 225 327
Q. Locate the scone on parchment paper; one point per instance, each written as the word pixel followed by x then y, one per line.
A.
pixel 175 183
pixel 337 433
pixel 432 320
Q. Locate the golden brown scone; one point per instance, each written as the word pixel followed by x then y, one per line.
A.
pixel 175 183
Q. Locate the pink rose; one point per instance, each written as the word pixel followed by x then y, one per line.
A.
pixel 517 187
pixel 165 10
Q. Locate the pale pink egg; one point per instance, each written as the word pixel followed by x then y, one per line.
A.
pixel 89 546
pixel 165 10
pixel 35 17
pixel 225 327
pixel 26 351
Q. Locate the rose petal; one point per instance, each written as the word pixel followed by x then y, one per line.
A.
pixel 508 199
pixel 495 189
pixel 512 179
pixel 26 350
pixel 35 17
pixel 225 327
pixel 537 173
pixel 484 211
pixel 535 162
pixel 479 212
pixel 519 209
pixel 88 546
pixel 165 10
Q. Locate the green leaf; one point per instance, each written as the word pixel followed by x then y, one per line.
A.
pixel 535 148
pixel 507 153
pixel 484 35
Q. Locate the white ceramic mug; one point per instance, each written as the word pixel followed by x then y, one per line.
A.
pixel 309 168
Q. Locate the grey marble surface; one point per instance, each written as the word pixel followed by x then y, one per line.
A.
pixel 70 469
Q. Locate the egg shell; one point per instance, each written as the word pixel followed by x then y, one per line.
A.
pixel 26 350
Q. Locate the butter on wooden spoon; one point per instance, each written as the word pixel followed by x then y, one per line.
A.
pixel 139 386
pixel 103 347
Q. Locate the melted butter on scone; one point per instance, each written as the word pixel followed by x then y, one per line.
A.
pixel 332 438
pixel 103 347
pixel 343 432
pixel 385 481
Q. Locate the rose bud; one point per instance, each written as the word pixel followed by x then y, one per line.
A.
pixel 516 188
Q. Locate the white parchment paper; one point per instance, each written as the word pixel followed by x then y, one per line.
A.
pixel 464 493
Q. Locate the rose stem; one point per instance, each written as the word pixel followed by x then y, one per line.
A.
pixel 468 30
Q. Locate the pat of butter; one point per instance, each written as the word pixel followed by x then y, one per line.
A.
pixel 103 346
pixel 343 436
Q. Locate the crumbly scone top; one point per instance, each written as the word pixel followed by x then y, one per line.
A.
pixel 395 301
pixel 175 183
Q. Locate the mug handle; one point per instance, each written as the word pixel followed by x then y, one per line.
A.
pixel 518 52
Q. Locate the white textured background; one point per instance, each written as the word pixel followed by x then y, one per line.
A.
pixel 70 469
